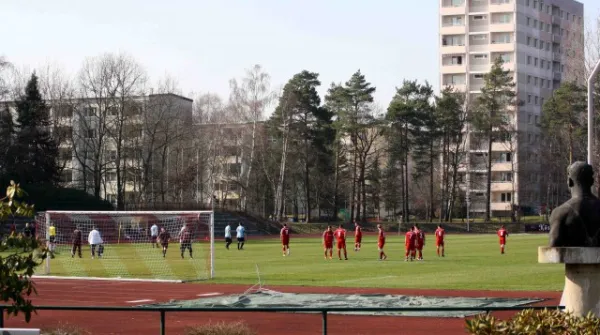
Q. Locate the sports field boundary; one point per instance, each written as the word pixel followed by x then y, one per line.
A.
pixel 109 279
pixel 323 311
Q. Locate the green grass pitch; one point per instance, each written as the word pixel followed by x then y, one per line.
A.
pixel 472 262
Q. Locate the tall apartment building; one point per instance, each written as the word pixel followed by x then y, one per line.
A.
pixel 541 43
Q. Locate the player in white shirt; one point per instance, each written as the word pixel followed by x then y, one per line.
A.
pixel 94 239
pixel 228 236
pixel 241 236
pixel 154 236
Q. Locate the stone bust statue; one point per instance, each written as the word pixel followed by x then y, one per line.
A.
pixel 576 223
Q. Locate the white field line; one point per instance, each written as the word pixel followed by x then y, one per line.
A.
pixel 107 279
pixel 211 294
pixel 138 301
pixel 365 278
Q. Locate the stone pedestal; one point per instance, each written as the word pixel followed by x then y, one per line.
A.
pixel 582 277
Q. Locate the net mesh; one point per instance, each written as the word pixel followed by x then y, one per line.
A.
pixel 129 249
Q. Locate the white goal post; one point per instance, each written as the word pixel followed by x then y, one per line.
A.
pixel 129 249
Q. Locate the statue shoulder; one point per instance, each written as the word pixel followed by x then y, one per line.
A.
pixel 561 211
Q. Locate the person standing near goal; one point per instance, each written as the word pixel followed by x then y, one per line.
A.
pixel 228 239
pixel 185 240
pixel 154 236
pixel 164 238
pixel 285 239
pixel 95 240
pixel 76 241
pixel 241 236
pixel 51 238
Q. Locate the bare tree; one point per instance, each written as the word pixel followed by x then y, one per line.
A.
pixel 111 87
pixel 249 99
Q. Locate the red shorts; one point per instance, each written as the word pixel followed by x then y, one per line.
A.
pixel 358 239
pixel 409 247
pixel 419 246
pixel 380 244
pixel 341 244
pixel 439 243
pixel 285 241
pixel 502 241
pixel 329 245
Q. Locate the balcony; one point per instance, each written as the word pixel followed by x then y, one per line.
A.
pixel 556 38
pixel 483 68
pixel 476 87
pixel 478 9
pixel 502 167
pixel 478 47
pixel 502 8
pixel 457 87
pixel 556 57
pixel 450 69
pixel 500 206
pixel 448 9
pixel 502 186
pixel 453 49
pixel 556 19
pixel 501 146
pixel 557 76
pixel 453 30
pixel 479 28
pixel 502 27
pixel 502 47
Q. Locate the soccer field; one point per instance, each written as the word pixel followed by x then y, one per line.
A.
pixel 472 262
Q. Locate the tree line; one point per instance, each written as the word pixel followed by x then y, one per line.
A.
pixel 340 156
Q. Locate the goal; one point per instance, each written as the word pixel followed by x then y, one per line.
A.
pixel 129 252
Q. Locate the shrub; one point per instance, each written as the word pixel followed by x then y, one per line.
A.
pixel 221 328
pixel 531 322
pixel 65 329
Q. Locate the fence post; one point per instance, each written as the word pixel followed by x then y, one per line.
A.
pixel 324 314
pixel 1 317
pixel 162 322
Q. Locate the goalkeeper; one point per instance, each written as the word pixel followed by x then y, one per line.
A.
pixel 185 240
pixel 164 237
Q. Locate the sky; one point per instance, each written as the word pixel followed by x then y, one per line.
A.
pixel 203 44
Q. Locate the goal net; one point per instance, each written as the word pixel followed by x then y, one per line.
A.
pixel 128 250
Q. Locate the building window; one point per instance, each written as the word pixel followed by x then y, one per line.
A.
pixel 528 21
pixel 90 133
pixel 529 98
pixel 535 81
pixel 537 121
pixel 528 40
pixel 528 79
pixel 505 197
pixel 528 60
pixel 536 100
pixel 66 176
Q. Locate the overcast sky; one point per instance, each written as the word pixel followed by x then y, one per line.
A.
pixel 205 43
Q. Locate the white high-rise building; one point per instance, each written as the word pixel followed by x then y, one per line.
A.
pixel 541 43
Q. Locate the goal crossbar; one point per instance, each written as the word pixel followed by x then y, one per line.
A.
pixel 140 244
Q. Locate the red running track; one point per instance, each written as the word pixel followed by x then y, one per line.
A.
pixel 105 293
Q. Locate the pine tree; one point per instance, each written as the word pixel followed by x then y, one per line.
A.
pixel 7 141
pixel 36 151
pixel 491 117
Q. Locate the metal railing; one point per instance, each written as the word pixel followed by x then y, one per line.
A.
pixel 323 311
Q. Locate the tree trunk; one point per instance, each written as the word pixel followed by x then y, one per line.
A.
pixel 336 181
pixel 406 197
pixel 431 163
pixel 363 188
pixel 279 195
pixel 353 192
pixel 307 181
pixel 488 191
pixel 244 198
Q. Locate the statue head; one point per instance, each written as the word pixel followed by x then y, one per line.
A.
pixel 581 176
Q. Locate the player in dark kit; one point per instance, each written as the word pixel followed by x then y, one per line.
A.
pixel 76 242
pixel 164 238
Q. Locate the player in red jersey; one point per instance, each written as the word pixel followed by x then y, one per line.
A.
pixel 357 236
pixel 381 243
pixel 340 235
pixel 420 242
pixel 439 240
pixel 409 244
pixel 285 239
pixel 502 235
pixel 328 242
